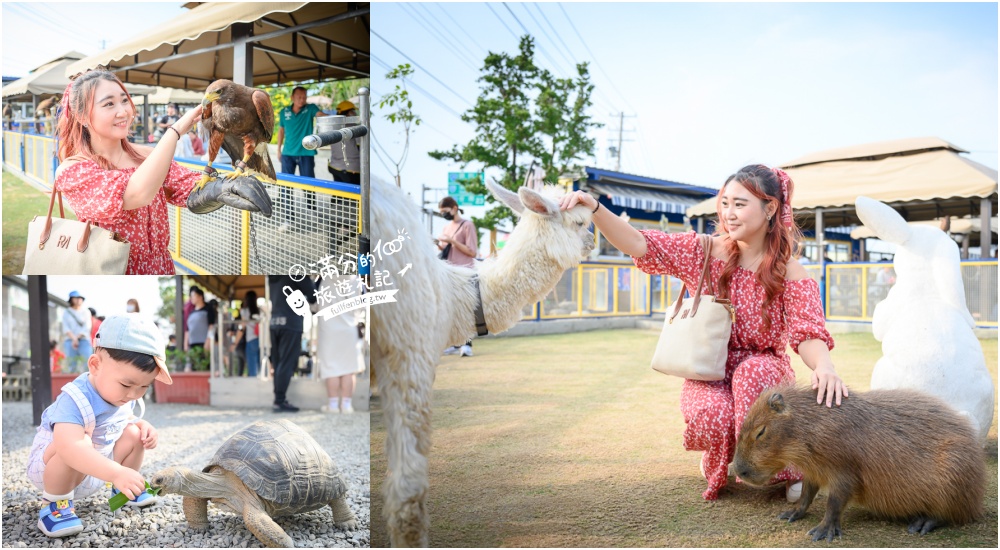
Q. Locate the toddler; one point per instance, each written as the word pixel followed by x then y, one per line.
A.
pixel 89 435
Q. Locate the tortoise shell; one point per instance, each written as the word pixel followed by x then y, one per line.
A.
pixel 282 463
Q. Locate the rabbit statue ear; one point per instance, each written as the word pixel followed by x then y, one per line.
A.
pixel 887 224
pixel 505 196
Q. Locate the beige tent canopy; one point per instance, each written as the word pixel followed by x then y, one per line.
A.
pixel 923 178
pixel 50 79
pixel 288 42
pixel 163 96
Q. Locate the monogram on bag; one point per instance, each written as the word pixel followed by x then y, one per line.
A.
pixel 694 343
pixel 58 246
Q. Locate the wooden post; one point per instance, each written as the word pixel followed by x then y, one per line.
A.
pixel 38 324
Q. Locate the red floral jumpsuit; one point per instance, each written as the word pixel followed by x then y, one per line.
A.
pixel 98 195
pixel 714 411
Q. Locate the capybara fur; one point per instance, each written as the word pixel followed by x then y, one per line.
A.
pixel 898 453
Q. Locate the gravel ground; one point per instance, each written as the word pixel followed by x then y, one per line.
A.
pixel 189 435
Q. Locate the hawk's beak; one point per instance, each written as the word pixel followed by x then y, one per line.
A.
pixel 209 97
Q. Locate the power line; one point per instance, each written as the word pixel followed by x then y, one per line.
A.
pixel 592 56
pixel 436 79
pixel 512 33
pixel 417 87
pixel 461 28
pixel 568 60
pixel 440 37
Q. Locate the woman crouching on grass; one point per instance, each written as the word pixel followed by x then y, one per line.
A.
pixel 124 187
pixel 776 304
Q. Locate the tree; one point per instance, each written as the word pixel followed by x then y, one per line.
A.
pixel 523 115
pixel 337 91
pixel 167 295
pixel 399 99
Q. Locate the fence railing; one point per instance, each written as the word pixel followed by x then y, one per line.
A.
pixel 851 291
pixel 312 219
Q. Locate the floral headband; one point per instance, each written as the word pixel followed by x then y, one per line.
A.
pixel 786 196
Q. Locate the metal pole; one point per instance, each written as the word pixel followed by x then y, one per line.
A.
pixel 621 126
pixel 364 240
pixel 38 321
pixel 985 232
pixel 242 53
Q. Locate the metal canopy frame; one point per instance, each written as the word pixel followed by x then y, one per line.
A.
pixel 243 37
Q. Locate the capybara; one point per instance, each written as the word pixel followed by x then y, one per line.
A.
pixel 898 453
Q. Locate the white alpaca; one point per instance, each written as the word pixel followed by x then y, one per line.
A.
pixel 925 328
pixel 435 308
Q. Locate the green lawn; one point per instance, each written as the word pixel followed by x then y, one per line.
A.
pixel 21 203
pixel 571 440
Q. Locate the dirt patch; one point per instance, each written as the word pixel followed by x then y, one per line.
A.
pixel 572 440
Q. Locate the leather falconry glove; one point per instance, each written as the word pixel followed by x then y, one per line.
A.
pixel 242 192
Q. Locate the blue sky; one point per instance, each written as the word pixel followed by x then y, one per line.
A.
pixel 708 87
pixel 37 32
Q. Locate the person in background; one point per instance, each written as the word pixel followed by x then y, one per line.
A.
pixel 76 325
pixel 339 355
pixel 294 123
pixel 249 332
pixel 95 323
pixel 55 357
pixel 463 238
pixel 345 157
pixel 132 305
pixel 166 120
pixel 172 343
pixel 287 311
pixel 197 325
pixel 197 145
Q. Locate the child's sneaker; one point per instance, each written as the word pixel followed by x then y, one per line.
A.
pixel 59 519
pixel 144 499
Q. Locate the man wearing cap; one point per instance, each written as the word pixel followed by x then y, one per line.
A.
pixel 294 123
pixel 90 435
pixel 76 324
pixel 345 157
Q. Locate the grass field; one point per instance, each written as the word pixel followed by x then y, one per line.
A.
pixel 573 441
pixel 21 203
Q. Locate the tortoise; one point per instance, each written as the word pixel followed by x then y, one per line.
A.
pixel 268 469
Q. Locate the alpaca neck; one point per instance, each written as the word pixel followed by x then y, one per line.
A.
pixel 514 281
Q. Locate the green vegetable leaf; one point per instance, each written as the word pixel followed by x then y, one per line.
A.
pixel 120 499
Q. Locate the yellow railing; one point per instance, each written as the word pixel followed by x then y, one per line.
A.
pixel 311 220
pixel 854 289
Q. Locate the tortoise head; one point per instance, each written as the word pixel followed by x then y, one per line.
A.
pixel 171 480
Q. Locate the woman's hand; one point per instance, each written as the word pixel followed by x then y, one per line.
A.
pixel 575 198
pixel 187 121
pixel 443 240
pixel 828 384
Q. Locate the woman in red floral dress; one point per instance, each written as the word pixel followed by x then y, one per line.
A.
pixel 120 186
pixel 776 304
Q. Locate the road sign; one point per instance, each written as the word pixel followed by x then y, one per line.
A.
pixel 457 191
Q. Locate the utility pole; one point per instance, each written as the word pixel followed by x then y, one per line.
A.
pixel 616 152
pixel 621 126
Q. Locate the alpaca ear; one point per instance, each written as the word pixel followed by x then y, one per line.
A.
pixel 505 196
pixel 537 203
pixel 883 220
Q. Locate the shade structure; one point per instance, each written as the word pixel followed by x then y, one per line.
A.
pixel 292 41
pixel 924 178
pixel 163 96
pixel 50 79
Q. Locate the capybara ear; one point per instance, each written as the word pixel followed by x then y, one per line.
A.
pixel 776 402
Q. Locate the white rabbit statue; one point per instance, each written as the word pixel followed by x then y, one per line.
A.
pixel 926 330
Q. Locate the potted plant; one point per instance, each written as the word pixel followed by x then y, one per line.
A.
pixel 188 387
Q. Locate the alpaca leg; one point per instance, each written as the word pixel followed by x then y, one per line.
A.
pixel 405 385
